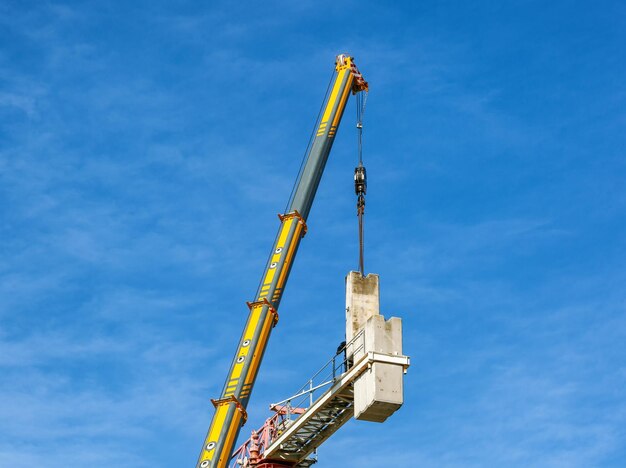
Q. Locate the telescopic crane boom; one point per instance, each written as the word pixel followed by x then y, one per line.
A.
pixel 230 408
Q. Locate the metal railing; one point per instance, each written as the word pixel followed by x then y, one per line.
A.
pixel 288 410
pixel 325 377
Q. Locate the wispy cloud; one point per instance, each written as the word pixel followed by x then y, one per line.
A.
pixel 145 150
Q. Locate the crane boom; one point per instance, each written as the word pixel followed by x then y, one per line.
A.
pixel 230 408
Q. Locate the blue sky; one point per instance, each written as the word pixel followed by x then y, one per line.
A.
pixel 146 147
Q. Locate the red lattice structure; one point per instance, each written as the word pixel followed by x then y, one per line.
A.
pixel 250 453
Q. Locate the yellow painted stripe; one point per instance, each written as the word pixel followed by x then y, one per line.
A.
pixel 285 231
pixel 333 95
pixel 271 272
pixel 230 440
pixel 216 427
pixel 269 277
pixel 256 358
pixel 289 257
pixel 255 315
pixel 342 102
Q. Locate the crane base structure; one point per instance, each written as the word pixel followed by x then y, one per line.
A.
pixel 363 380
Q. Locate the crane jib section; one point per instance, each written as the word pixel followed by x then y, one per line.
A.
pixel 230 407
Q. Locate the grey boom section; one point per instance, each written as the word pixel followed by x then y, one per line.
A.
pixel 320 149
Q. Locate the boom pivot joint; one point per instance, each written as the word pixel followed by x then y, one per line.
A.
pixel 238 405
pixel 270 307
pixel 295 214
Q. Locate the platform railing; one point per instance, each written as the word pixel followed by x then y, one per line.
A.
pixel 288 410
pixel 325 377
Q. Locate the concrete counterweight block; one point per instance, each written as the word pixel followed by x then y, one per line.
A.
pixel 378 391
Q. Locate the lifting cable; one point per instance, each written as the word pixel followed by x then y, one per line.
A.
pixel 360 175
